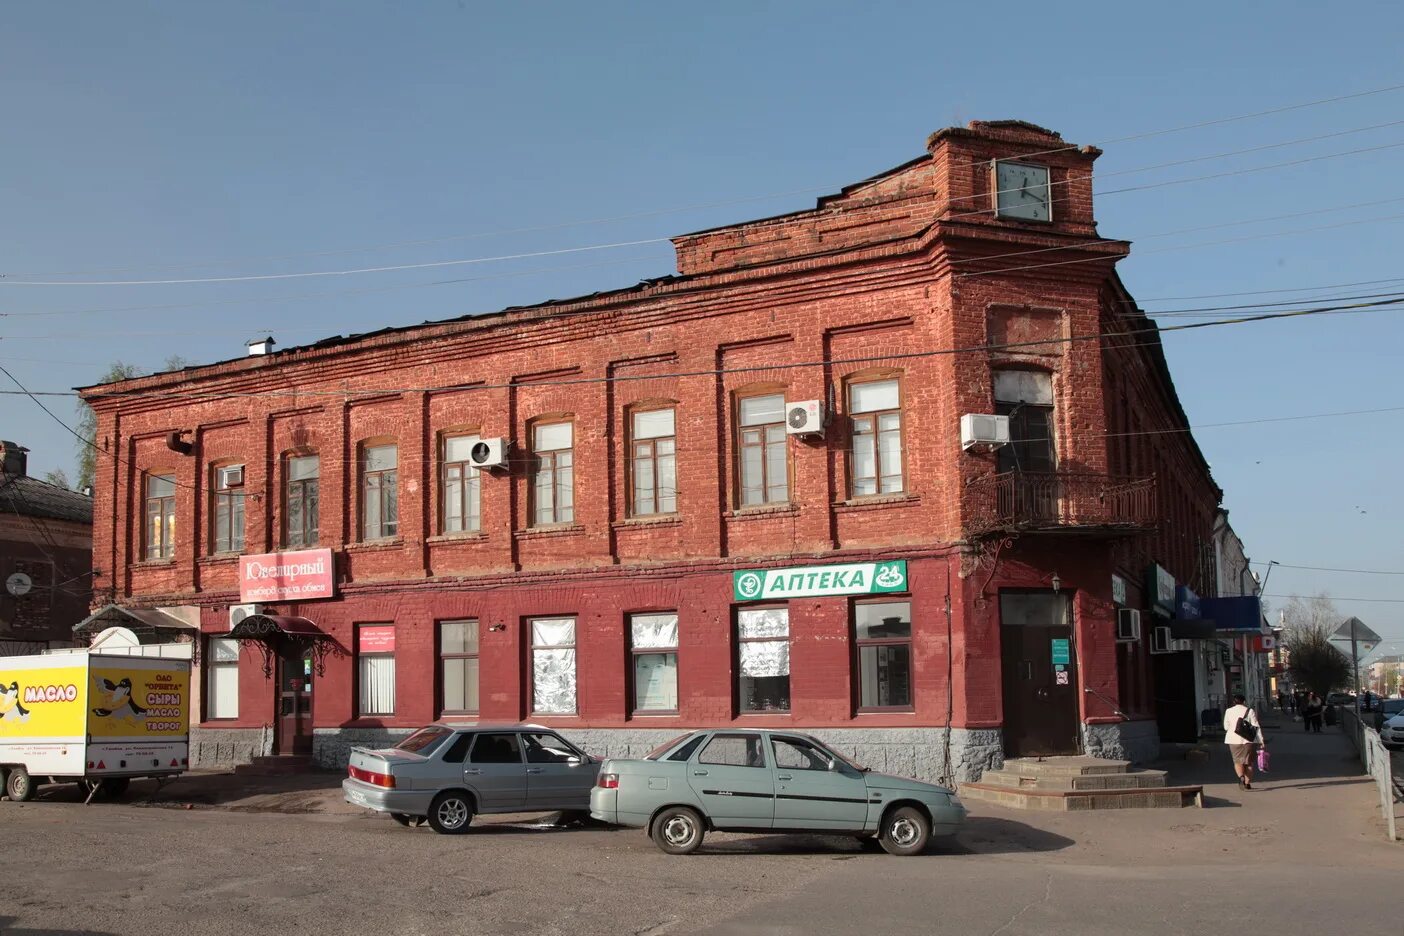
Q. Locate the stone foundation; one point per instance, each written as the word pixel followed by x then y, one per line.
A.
pixel 331 747
pixel 228 747
pixel 1135 741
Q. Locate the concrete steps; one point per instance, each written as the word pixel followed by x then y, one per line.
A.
pixel 1069 784
pixel 277 765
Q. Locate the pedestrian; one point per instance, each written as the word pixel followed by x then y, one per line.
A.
pixel 1242 734
pixel 1282 701
pixel 1312 710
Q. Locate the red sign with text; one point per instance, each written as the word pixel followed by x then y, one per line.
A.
pixel 304 575
pixel 376 640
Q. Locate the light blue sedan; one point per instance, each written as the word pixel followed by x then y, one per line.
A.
pixel 767 781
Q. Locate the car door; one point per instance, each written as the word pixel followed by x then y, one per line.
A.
pixel 814 789
pixel 495 771
pixel 559 776
pixel 733 781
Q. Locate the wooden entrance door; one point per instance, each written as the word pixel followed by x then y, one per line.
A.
pixel 1040 674
pixel 294 700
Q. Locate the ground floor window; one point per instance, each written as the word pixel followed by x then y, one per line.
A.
pixel 883 641
pixel 458 667
pixel 653 643
pixel 375 670
pixel 763 660
pixel 222 678
pixel 553 666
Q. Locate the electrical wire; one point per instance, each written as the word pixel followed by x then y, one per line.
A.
pixel 1308 568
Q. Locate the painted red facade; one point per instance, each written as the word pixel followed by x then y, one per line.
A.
pixel 907 276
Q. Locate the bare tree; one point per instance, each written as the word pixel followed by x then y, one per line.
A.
pixel 57 477
pixel 1312 660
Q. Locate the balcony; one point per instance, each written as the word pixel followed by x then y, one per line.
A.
pixel 1019 502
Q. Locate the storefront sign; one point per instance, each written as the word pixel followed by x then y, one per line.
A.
pixel 1118 590
pixel 1061 678
pixel 1186 604
pixel 304 575
pixel 375 640
pixel 860 578
pixel 1160 585
pixel 1062 651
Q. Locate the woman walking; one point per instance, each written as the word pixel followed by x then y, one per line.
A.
pixel 1312 710
pixel 1243 735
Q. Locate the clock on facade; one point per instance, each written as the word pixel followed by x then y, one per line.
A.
pixel 1022 191
pixel 19 584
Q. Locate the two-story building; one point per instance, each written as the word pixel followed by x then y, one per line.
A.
pixel 765 490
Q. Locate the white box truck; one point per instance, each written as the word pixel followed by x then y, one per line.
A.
pixel 91 718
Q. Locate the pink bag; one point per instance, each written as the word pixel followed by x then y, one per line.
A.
pixel 1263 759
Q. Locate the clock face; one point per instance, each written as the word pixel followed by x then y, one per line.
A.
pixel 19 584
pixel 1022 191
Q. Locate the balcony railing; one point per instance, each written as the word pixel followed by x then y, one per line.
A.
pixel 1059 500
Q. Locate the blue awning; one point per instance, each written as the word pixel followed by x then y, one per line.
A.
pixel 1237 614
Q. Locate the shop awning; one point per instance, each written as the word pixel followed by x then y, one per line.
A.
pixel 264 626
pixel 1192 630
pixel 146 623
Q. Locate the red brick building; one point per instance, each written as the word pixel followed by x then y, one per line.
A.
pixel 596 580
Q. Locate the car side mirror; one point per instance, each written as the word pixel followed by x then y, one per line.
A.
pixel 833 766
pixel 574 760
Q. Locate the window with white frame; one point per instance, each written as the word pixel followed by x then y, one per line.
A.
pixel 458 667
pixel 380 501
pixel 375 669
pixel 222 678
pixel 227 507
pixel 300 501
pixel 553 666
pixel 653 466
pixel 160 516
pixel 875 412
pixel 653 644
pixel 461 492
pixel 763 450
pixel 553 484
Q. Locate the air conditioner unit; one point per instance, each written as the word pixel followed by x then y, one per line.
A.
pixel 805 418
pixel 232 476
pixel 1128 624
pixel 489 453
pixel 979 429
pixel 1160 640
pixel 238 612
pixel 1181 646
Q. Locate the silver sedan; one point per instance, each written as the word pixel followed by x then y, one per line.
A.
pixel 446 774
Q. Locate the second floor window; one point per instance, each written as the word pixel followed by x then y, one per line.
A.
pixel 763 451
pixel 160 516
pixel 553 482
pixel 300 500
pixel 1026 397
pixel 875 408
pixel 227 531
pixel 379 492
pixel 654 472
pixel 460 496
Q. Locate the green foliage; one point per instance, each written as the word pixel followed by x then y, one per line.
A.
pixel 87 424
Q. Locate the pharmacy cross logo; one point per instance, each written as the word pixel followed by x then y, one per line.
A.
pixel 748 585
pixel 890 575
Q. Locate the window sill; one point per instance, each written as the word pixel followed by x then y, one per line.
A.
pixel 883 711
pixel 471 536
pixel 778 713
pixel 759 513
pixel 218 559
pixel 557 529
pixel 660 520
pixel 373 545
pixel 153 564
pixel 671 713
pixel 876 501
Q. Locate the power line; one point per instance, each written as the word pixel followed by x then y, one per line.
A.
pixel 1343 598
pixel 1330 569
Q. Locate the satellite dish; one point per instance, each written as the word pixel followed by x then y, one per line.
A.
pixel 115 637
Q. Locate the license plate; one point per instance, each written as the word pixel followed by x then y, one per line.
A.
pixel 358 798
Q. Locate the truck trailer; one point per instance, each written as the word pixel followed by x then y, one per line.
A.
pixel 99 720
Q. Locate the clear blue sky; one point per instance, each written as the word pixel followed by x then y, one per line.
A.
pixel 150 139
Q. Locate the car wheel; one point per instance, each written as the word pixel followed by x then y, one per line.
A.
pixel 113 787
pixel 402 818
pixel 678 831
pixel 450 813
pixel 905 831
pixel 19 785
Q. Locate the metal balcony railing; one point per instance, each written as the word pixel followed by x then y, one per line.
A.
pixel 1059 500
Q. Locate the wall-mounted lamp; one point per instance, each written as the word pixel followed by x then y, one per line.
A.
pixel 497 627
pixel 1057 583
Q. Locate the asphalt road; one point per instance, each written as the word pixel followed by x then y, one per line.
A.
pixel 1303 854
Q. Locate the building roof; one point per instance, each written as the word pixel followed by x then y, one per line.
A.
pixel 31 497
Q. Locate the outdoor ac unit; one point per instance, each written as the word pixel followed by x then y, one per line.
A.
pixel 231 477
pixel 488 453
pixel 978 429
pixel 238 612
pixel 805 418
pixel 1160 640
pixel 1181 646
pixel 1128 624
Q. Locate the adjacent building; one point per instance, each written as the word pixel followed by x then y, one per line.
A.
pixel 46 541
pixel 885 470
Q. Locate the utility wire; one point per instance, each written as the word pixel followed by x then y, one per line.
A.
pixel 1329 569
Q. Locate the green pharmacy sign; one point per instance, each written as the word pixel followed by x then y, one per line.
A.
pixel 858 578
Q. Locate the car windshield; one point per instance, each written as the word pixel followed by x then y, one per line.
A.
pixel 424 740
pixel 666 747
